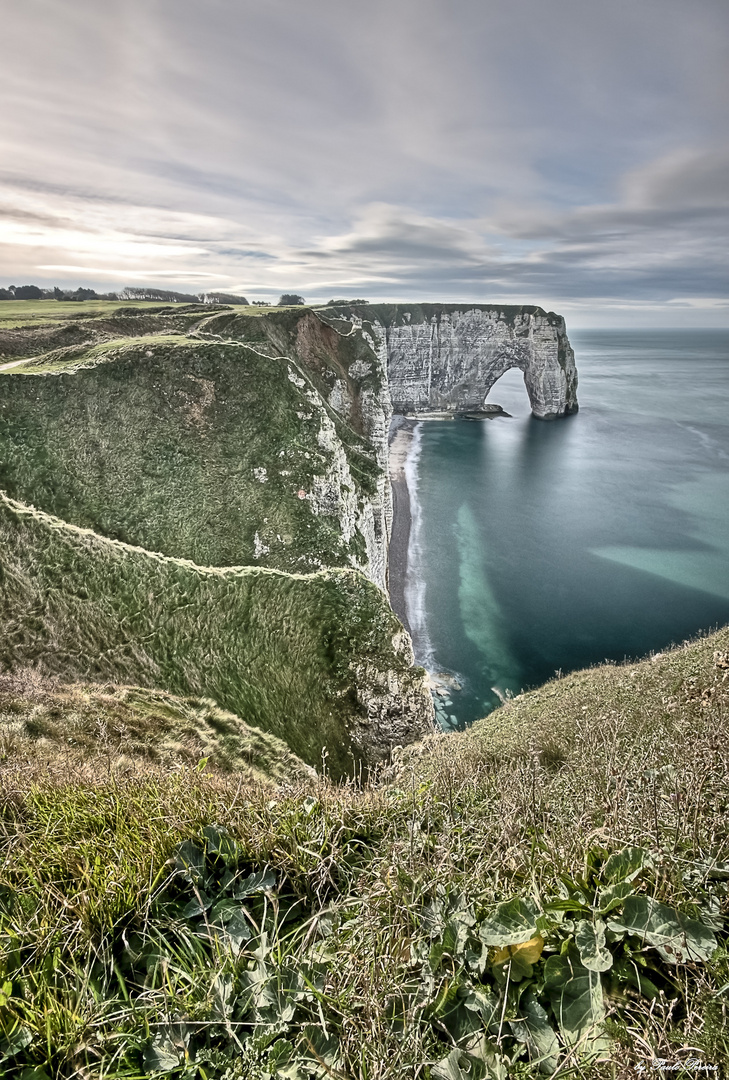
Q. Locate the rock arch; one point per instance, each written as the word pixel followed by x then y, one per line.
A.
pixel 446 357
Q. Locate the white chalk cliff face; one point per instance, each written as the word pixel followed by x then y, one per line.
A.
pixel 446 357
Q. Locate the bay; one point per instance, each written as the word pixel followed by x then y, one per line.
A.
pixel 545 547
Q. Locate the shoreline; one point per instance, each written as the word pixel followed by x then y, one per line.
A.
pixel 400 441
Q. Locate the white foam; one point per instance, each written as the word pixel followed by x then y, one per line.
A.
pixel 414 576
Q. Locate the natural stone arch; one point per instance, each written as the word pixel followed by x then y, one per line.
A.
pixel 507 387
pixel 447 357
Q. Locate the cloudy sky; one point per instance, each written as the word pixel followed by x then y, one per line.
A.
pixel 570 153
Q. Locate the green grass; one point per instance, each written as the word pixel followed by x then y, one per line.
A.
pixel 95 729
pixel 406 314
pixel 361 905
pixel 24 312
pixel 73 357
pixel 299 656
pixel 190 448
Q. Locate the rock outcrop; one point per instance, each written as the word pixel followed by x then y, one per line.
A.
pixel 447 357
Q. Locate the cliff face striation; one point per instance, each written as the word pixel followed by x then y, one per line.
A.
pixel 447 357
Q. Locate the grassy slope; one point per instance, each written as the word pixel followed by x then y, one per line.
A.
pixel 593 762
pixel 154 442
pixel 276 649
pixel 329 356
pixel 89 730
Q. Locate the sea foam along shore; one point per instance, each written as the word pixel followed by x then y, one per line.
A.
pixel 406 581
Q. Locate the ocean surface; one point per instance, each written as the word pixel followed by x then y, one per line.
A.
pixel 538 548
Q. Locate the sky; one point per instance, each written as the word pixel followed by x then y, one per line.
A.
pixel 567 153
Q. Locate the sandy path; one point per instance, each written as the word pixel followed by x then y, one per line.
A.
pixel 15 363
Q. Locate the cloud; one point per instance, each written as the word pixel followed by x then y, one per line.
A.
pixel 544 153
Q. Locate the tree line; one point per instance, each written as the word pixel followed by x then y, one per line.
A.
pixel 165 296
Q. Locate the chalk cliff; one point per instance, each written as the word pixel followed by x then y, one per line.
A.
pixel 447 357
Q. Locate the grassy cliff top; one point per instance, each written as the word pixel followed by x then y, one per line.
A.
pixel 199 448
pixel 403 314
pixel 422 925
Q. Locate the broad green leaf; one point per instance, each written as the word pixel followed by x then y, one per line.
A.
pixel 264 879
pixel 282 1063
pixel 457 933
pixel 258 989
pixel 34 1072
pixel 511 924
pixel 460 1022
pixel 486 1004
pixel 454 943
pixel 16 1041
pixel 323 1048
pixel 626 865
pixel 628 971
pixel 480 1062
pixel 446 999
pixel 575 994
pixel 432 919
pixel 461 1066
pixel 613 896
pixel 534 1030
pixel 236 928
pixel 590 941
pixel 449 1068
pixel 219 842
pixel 196 906
pixel 190 860
pixel 161 1056
pixel 222 990
pixel 677 937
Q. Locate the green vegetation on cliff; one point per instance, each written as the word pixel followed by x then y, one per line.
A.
pixel 545 894
pixel 298 656
pixel 92 729
pixel 196 449
pixel 156 469
pixel 552 903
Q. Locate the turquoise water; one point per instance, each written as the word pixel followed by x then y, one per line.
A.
pixel 543 547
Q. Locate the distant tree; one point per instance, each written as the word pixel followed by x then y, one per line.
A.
pixel 222 298
pixel 288 298
pixel 340 303
pixel 26 292
pixel 163 295
pixel 261 303
pixel 77 294
pixel 5 294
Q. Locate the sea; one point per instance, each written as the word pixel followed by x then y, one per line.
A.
pixel 537 548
